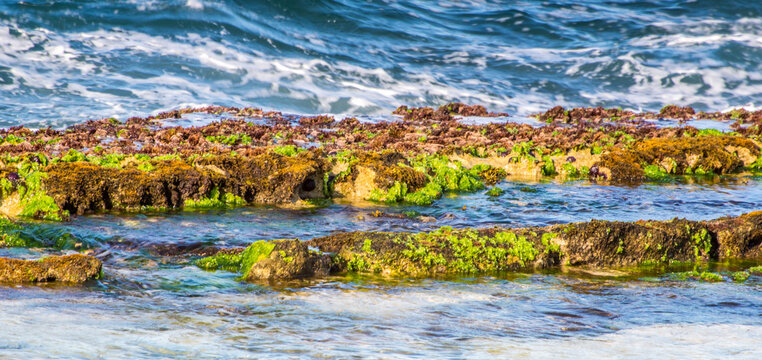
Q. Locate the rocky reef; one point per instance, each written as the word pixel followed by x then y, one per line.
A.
pixel 255 157
pixel 251 157
pixel 470 251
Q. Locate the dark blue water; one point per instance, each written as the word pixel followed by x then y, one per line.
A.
pixel 65 61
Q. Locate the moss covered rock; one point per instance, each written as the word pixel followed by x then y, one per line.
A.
pixel 206 182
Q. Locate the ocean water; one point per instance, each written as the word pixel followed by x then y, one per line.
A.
pixel 65 61
pixel 152 306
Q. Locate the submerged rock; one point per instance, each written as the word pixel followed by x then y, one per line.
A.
pixel 74 268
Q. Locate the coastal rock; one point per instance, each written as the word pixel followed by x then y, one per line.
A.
pixel 686 155
pixel 289 259
pixel 602 244
pixel 74 268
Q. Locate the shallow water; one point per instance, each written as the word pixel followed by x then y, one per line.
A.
pixel 151 306
pixel 537 316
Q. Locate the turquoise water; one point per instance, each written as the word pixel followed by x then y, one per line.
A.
pixel 63 62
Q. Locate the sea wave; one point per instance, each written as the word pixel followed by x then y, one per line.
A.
pixel 62 63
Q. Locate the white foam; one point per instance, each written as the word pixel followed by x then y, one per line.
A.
pixel 57 65
pixel 44 60
pixel 194 4
pixel 678 341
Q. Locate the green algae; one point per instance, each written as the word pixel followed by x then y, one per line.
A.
pixel 234 139
pixel 740 276
pixel 116 160
pixel 227 262
pixel 547 241
pixel 548 167
pixel 425 195
pixel 711 277
pixel 253 254
pixel 442 175
pixel 40 205
pixel 570 170
pixel 705 276
pixel 392 195
pixel 12 139
pixel 367 246
pixel 466 251
pixel 31 235
pixel 215 200
pixel 73 156
pixel 702 243
pixel 357 264
pixel 709 132
pixel 655 172
pixel 450 175
pixel 288 150
pixel 495 191
pixel 9 236
pixel 241 262
pixel 34 201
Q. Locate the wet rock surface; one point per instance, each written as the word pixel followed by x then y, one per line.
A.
pixel 597 244
pixel 74 268
pixel 290 259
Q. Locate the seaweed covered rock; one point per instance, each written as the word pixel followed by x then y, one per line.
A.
pixel 677 112
pixel 289 259
pixel 467 251
pixel 444 112
pixel 74 268
pixel 367 172
pixel 654 158
pixel 580 114
pixel 270 260
pixel 268 178
pixel 443 251
pixel 594 243
pixel 142 164
pixel 614 243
